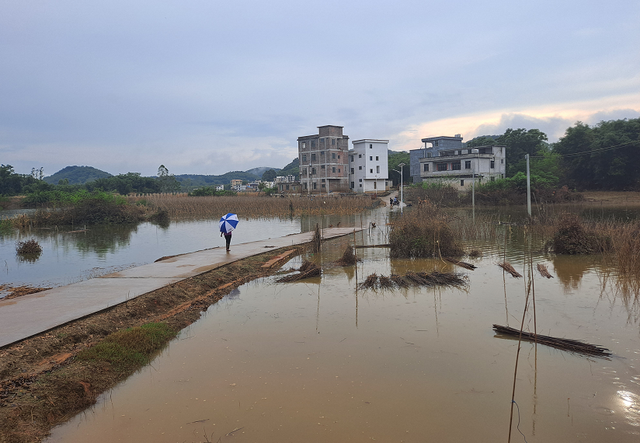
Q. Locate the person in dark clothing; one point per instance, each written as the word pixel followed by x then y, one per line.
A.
pixel 227 238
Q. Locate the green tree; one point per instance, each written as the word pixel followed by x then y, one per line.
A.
pixel 605 156
pixel 483 140
pixel 167 182
pixel 520 142
pixel 395 158
pixel 12 183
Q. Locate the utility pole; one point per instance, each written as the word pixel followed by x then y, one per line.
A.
pixel 528 187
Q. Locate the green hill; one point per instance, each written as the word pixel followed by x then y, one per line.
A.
pixel 76 175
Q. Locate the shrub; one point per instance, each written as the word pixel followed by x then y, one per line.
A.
pixel 423 232
pixel 29 247
pixel 572 238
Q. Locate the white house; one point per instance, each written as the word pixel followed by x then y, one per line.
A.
pixel 460 167
pixel 369 166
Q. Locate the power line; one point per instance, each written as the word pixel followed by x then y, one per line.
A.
pixel 576 154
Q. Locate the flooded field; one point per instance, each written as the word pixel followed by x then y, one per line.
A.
pixel 322 361
pixel 72 256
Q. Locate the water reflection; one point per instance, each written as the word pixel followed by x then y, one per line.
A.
pixel 570 269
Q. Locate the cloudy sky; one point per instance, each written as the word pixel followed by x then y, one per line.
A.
pixel 205 87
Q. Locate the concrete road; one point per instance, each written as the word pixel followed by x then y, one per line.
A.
pixel 33 314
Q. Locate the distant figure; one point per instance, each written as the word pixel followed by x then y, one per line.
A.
pixel 395 201
pixel 390 201
pixel 227 238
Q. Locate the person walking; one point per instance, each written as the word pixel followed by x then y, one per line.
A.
pixel 228 223
pixel 227 238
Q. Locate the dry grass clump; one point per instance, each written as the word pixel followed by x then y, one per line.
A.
pixel 573 238
pixel 307 270
pixel 29 247
pixel 256 206
pixel 348 258
pixel 416 279
pixel 423 232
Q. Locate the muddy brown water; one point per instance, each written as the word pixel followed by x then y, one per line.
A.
pixel 318 361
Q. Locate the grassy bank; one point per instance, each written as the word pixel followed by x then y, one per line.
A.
pixel 46 379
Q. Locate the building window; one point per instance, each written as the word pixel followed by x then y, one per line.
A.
pixel 333 141
pixel 359 155
pixel 322 180
pixel 492 178
pixel 493 164
pixel 303 145
pixel 352 173
pixel 338 156
pixel 313 143
pixel 435 143
pixel 313 171
pixel 455 166
pixel 360 185
pixel 322 153
pixel 378 169
pixel 322 167
pixel 338 170
pixel 370 146
pixel 351 158
pixel 323 186
pixel 359 168
pixel 287 187
pixel 371 158
pixel 304 157
pixel 502 161
pixel 467 164
pixel 377 158
pixel 442 166
pixel 333 155
pixel 352 185
pixel 360 180
pixel 313 157
pixel 333 169
pixel 371 171
pixel 462 183
pixel 425 167
pixel 314 185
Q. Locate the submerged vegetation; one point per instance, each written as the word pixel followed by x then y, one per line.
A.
pixel 424 232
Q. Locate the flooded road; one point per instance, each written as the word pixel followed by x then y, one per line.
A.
pixel 320 361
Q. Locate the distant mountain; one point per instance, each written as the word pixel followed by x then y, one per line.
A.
pixel 259 171
pixel 190 181
pixel 76 175
pixel 292 168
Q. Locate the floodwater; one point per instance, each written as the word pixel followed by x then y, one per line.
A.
pixel 69 256
pixel 319 361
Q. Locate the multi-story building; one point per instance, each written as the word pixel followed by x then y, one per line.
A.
pixel 461 167
pixel 432 146
pixel 369 166
pixel 323 161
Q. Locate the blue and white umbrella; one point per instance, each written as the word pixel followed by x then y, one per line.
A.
pixel 228 223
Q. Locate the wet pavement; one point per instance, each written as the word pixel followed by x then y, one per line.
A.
pixel 36 313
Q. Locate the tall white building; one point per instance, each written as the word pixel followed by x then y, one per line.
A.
pixel 369 166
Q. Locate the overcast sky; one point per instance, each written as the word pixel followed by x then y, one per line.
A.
pixel 206 87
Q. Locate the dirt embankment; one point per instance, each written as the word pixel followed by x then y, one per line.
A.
pixel 42 384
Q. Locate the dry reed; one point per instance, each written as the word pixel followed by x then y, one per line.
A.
pixel 424 232
pixel 182 206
